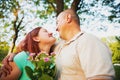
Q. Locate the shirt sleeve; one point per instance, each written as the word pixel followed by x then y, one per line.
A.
pixel 19 59
pixel 95 58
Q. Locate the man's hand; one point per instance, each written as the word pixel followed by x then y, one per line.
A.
pixel 6 68
pixel 0 73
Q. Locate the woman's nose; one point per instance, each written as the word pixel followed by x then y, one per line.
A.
pixel 50 33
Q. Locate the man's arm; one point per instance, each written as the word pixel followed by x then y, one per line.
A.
pixel 6 68
pixel 14 75
pixel 96 59
pixel 101 78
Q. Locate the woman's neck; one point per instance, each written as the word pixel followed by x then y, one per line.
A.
pixel 45 48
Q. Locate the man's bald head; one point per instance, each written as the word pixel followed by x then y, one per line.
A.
pixel 72 13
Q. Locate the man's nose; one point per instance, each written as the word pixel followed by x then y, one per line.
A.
pixel 56 29
pixel 50 33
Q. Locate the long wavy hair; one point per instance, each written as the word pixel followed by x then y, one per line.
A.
pixel 28 44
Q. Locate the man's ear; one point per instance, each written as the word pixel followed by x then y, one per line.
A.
pixel 69 18
pixel 36 39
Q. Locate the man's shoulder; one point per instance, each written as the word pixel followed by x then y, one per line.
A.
pixel 89 37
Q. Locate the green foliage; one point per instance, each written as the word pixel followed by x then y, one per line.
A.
pixel 115 47
pixel 114 44
pixel 117 72
pixel 7 6
pixel 29 72
pixel 118 38
pixel 47 10
pixel 3 50
pixel 115 9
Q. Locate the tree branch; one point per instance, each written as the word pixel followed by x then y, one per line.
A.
pixel 26 24
pixel 81 2
pixel 14 23
pixel 52 5
pixel 59 6
pixel 75 4
pixel 20 22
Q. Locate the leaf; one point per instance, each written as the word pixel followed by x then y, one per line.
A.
pixel 34 63
pixel 46 77
pixel 29 72
pixel 40 63
pixel 52 66
pixel 37 72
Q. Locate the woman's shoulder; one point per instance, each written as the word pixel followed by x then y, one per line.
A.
pixel 22 53
pixel 21 56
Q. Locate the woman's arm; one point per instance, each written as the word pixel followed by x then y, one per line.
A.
pixel 15 73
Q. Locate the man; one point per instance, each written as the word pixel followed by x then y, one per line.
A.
pixel 80 56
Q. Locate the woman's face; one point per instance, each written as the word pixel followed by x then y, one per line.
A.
pixel 46 37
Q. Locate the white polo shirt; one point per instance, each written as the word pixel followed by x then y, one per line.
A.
pixel 84 57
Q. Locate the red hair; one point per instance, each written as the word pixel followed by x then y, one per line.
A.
pixel 29 44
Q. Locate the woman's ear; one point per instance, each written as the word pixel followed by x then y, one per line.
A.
pixel 69 18
pixel 36 39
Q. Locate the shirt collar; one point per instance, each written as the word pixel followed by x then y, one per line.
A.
pixel 75 37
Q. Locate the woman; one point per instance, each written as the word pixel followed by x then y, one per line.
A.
pixel 38 40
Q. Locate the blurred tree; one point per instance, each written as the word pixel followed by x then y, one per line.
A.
pixel 115 9
pixel 14 13
pixel 55 6
pixel 102 9
pixel 13 7
pixel 7 8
